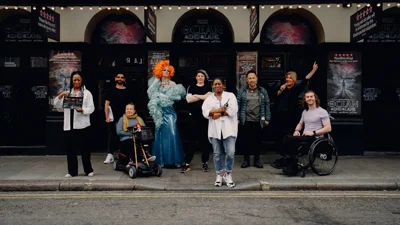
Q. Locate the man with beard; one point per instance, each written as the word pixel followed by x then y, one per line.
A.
pixel 316 123
pixel 254 114
pixel 116 99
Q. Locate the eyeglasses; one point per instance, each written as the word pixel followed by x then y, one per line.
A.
pixel 165 70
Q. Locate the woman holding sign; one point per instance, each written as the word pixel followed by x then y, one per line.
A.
pixel 78 105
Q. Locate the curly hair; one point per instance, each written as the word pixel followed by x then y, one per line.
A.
pixel 159 67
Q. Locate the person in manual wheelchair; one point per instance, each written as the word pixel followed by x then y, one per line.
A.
pixel 316 123
pixel 127 127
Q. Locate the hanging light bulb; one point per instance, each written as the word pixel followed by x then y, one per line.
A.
pixel 25 8
pixel 319 6
pixel 253 7
pixel 309 6
pixel 43 8
pixel 90 8
pixel 7 7
pixel 99 8
pixel 179 7
pixel 290 7
pixel 328 6
pixel 388 4
pixel 169 8
pixel 358 5
pixel 281 6
pixel 338 5
pixel 216 7
pixel 207 7
pixel 262 7
pixel 62 8
pixel 379 4
pixel 145 8
pixel 348 5
pixel 160 7
pixel 272 6
pixel 34 8
pixel 197 7
pixel 300 6
pixel 81 8
pixel 117 8
pixel 188 7
pixel 225 7
pixel 235 7
pixel 244 7
pixel 72 8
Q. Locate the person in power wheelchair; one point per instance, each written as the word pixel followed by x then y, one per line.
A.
pixel 127 126
pixel 316 123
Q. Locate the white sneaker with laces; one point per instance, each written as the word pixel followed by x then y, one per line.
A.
pixel 218 181
pixel 109 159
pixel 68 175
pixel 228 180
pixel 90 174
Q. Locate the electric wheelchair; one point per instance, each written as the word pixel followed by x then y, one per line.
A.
pixel 321 156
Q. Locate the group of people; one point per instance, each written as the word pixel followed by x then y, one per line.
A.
pixel 216 117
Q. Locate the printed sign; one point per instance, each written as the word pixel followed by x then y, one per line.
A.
pixel 46 22
pixel 73 102
pixel 18 29
pixel 254 23
pixel 390 30
pixel 39 91
pixel 371 94
pixel 365 22
pixel 344 83
pixel 6 91
pixel 150 22
pixel 245 61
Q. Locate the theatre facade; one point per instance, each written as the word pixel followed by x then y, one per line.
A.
pixel 357 80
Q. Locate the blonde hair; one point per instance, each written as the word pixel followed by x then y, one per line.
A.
pixel 293 75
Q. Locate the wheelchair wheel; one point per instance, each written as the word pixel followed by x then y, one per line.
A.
pixel 157 170
pixel 115 165
pixel 304 160
pixel 132 172
pixel 323 156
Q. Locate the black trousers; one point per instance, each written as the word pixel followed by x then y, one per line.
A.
pixel 113 139
pixel 284 124
pixel 292 143
pixel 75 143
pixel 198 139
pixel 251 140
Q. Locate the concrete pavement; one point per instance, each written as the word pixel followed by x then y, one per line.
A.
pixel 46 173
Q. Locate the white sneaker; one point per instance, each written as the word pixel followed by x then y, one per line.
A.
pixel 90 174
pixel 228 180
pixel 218 181
pixel 109 159
pixel 151 159
pixel 68 175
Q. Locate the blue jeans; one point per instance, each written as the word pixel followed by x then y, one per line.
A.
pixel 229 145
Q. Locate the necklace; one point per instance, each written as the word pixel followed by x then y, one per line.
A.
pixel 164 84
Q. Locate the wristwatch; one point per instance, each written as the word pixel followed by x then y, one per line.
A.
pixel 315 133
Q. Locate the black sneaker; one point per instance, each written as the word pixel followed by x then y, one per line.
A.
pixel 279 163
pixel 185 168
pixel 205 167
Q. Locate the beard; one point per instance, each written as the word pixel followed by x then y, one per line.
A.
pixel 119 82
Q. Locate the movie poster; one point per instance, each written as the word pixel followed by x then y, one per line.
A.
pixel 153 58
pixel 245 61
pixel 61 65
pixel 344 83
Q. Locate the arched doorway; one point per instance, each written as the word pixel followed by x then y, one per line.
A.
pixel 210 35
pixel 115 27
pixel 292 26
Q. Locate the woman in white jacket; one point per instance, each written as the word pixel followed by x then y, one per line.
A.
pixel 221 109
pixel 76 123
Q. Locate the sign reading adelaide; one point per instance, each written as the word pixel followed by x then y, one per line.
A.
pixel 365 22
pixel 203 28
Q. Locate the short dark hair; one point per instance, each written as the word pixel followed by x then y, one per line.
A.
pixel 217 78
pixel 120 73
pixel 251 71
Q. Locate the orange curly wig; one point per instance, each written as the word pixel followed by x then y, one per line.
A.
pixel 159 67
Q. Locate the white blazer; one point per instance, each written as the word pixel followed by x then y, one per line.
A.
pixel 225 125
pixel 81 120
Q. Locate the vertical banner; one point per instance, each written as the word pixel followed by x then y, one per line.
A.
pixel 153 58
pixel 344 83
pixel 61 65
pixel 150 23
pixel 46 22
pixel 245 61
pixel 254 23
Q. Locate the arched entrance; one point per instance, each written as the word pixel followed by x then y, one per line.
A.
pixel 292 26
pixel 115 27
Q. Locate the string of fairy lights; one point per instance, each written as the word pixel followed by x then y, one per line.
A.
pixel 319 6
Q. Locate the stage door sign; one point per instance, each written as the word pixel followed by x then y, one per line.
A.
pixel 245 61
pixel 46 22
pixel 365 22
pixel 344 83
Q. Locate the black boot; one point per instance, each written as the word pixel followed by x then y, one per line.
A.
pixel 246 163
pixel 258 164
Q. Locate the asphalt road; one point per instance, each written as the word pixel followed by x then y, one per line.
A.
pixel 178 208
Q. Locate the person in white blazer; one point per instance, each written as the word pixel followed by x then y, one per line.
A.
pixel 76 123
pixel 221 109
